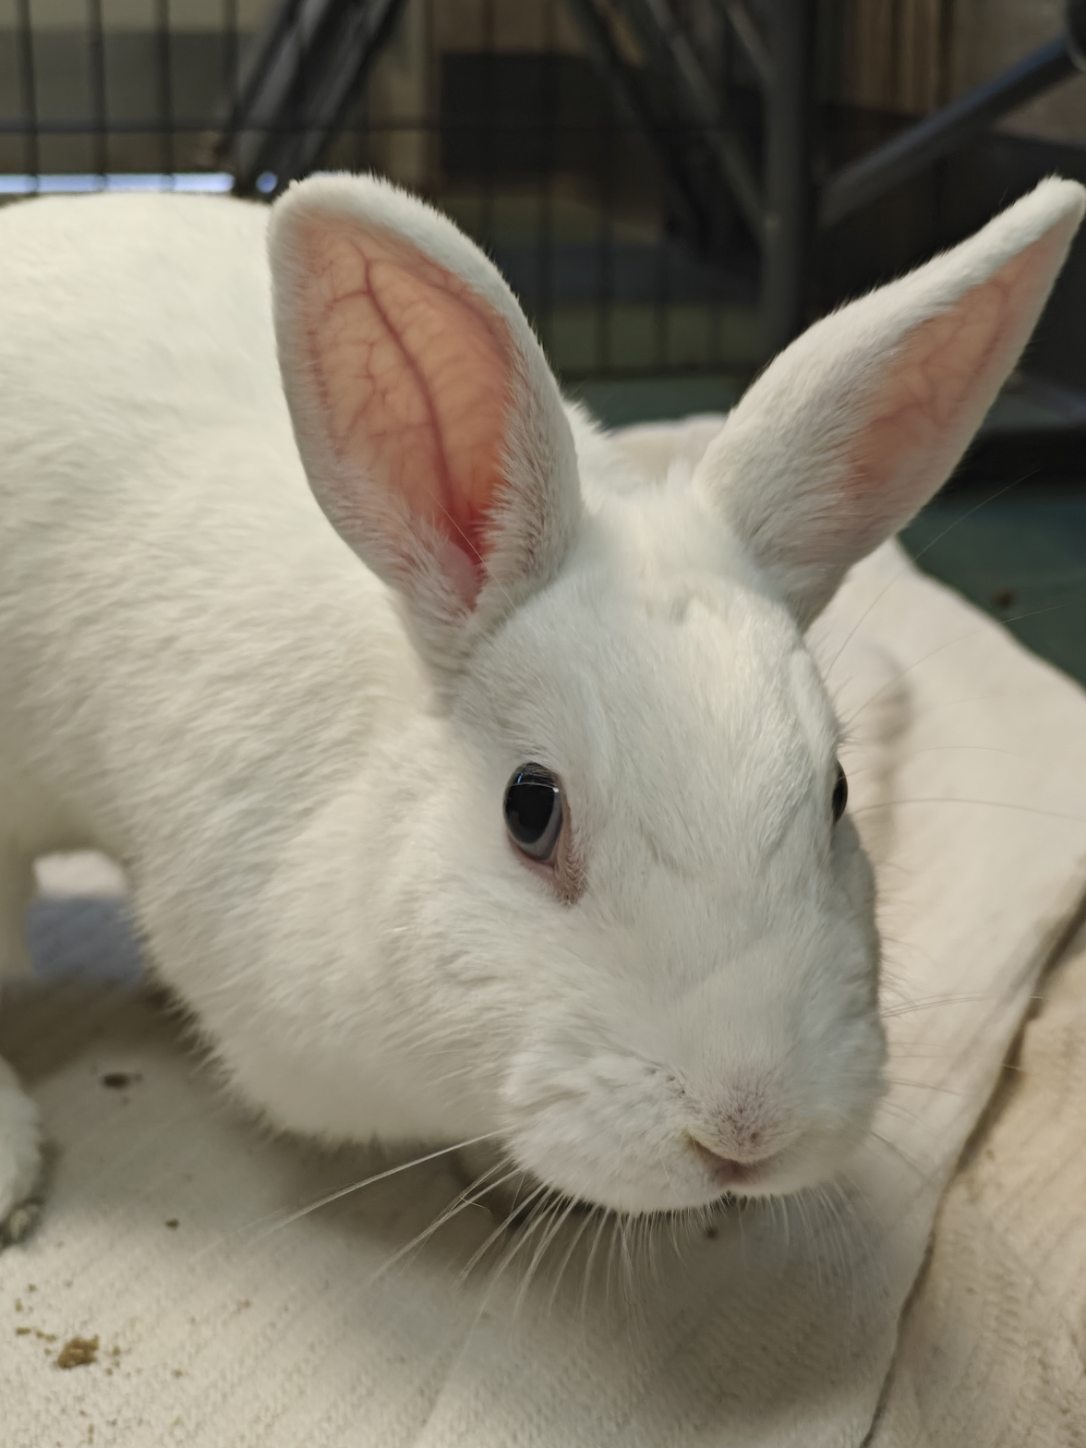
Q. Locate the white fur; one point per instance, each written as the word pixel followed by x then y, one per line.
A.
pixel 200 679
pixel 20 1134
pixel 828 396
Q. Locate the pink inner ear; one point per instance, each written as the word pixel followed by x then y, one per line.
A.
pixel 939 387
pixel 412 372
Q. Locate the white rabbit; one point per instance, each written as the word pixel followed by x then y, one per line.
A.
pixel 651 966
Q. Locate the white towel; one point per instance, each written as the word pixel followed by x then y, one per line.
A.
pixel 992 1351
pixel 217 1327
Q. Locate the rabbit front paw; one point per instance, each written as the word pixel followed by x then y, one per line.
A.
pixel 20 1159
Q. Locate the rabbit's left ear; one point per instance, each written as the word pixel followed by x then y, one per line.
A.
pixel 854 427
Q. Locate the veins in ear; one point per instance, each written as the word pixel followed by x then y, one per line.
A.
pixel 412 374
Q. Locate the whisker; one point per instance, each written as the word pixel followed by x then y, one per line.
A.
pixel 499 1269
pixel 991 803
pixel 787 1226
pixel 612 1253
pixel 899 944
pixel 541 1216
pixel 986 697
pixel 341 1192
pixel 742 1233
pixel 471 1196
pixel 928 1003
pixel 924 1177
pixel 908 570
pixel 938 749
pixel 1038 612
pixel 674 1235
pixel 837 1259
pixel 585 1219
pixel 856 713
pixel 556 1214
pixel 653 1233
pixel 924 1086
pixel 801 1201
pixel 480 1252
pixel 604 1220
pixel 627 1261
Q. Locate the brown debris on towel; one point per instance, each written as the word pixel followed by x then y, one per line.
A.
pixel 78 1352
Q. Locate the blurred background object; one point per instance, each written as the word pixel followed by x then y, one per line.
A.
pixel 673 187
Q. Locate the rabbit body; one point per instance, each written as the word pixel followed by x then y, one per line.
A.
pixel 299 754
pixel 200 679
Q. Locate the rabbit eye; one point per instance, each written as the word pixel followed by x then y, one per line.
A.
pixel 533 811
pixel 840 793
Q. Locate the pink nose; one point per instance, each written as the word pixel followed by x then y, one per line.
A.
pixel 728 1170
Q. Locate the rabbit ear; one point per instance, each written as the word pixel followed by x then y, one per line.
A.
pixel 428 421
pixel 854 427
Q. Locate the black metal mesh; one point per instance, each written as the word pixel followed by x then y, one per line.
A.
pixel 655 177
pixel 498 112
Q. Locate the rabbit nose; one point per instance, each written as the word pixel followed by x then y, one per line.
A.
pixel 744 1139
pixel 727 1169
pixel 739 1133
pixel 731 1170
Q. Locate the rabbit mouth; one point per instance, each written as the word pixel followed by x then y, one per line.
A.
pixel 519 1205
pixel 520 1199
pixel 730 1173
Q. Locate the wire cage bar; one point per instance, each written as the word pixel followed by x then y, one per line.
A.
pixel 653 176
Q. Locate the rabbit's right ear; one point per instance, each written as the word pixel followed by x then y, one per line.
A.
pixel 854 427
pixel 428 421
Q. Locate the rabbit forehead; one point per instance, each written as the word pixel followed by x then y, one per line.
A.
pixel 683 713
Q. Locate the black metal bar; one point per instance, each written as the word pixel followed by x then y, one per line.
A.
pixel 366 99
pixel 298 89
pixel 730 53
pixel 231 80
pixel 97 61
pixel 632 99
pixel 244 92
pixel 433 96
pixel 165 84
pixel 544 316
pixel 1074 22
pixel 746 31
pixel 661 310
pixel 693 99
pixel 363 137
pixel 28 87
pixel 905 154
pixel 345 71
pixel 268 107
pixel 184 125
pixel 605 239
pixel 789 218
pixel 488 125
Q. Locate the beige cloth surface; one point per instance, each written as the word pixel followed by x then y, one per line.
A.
pixel 993 1352
pixel 221 1322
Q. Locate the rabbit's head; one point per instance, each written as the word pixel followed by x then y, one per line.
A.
pixel 645 910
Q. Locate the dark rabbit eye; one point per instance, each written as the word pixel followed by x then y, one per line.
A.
pixel 533 811
pixel 840 793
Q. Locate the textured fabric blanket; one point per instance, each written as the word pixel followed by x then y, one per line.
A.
pixel 209 1313
pixel 993 1348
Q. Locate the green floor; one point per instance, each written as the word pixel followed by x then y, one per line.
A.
pixel 1020 555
